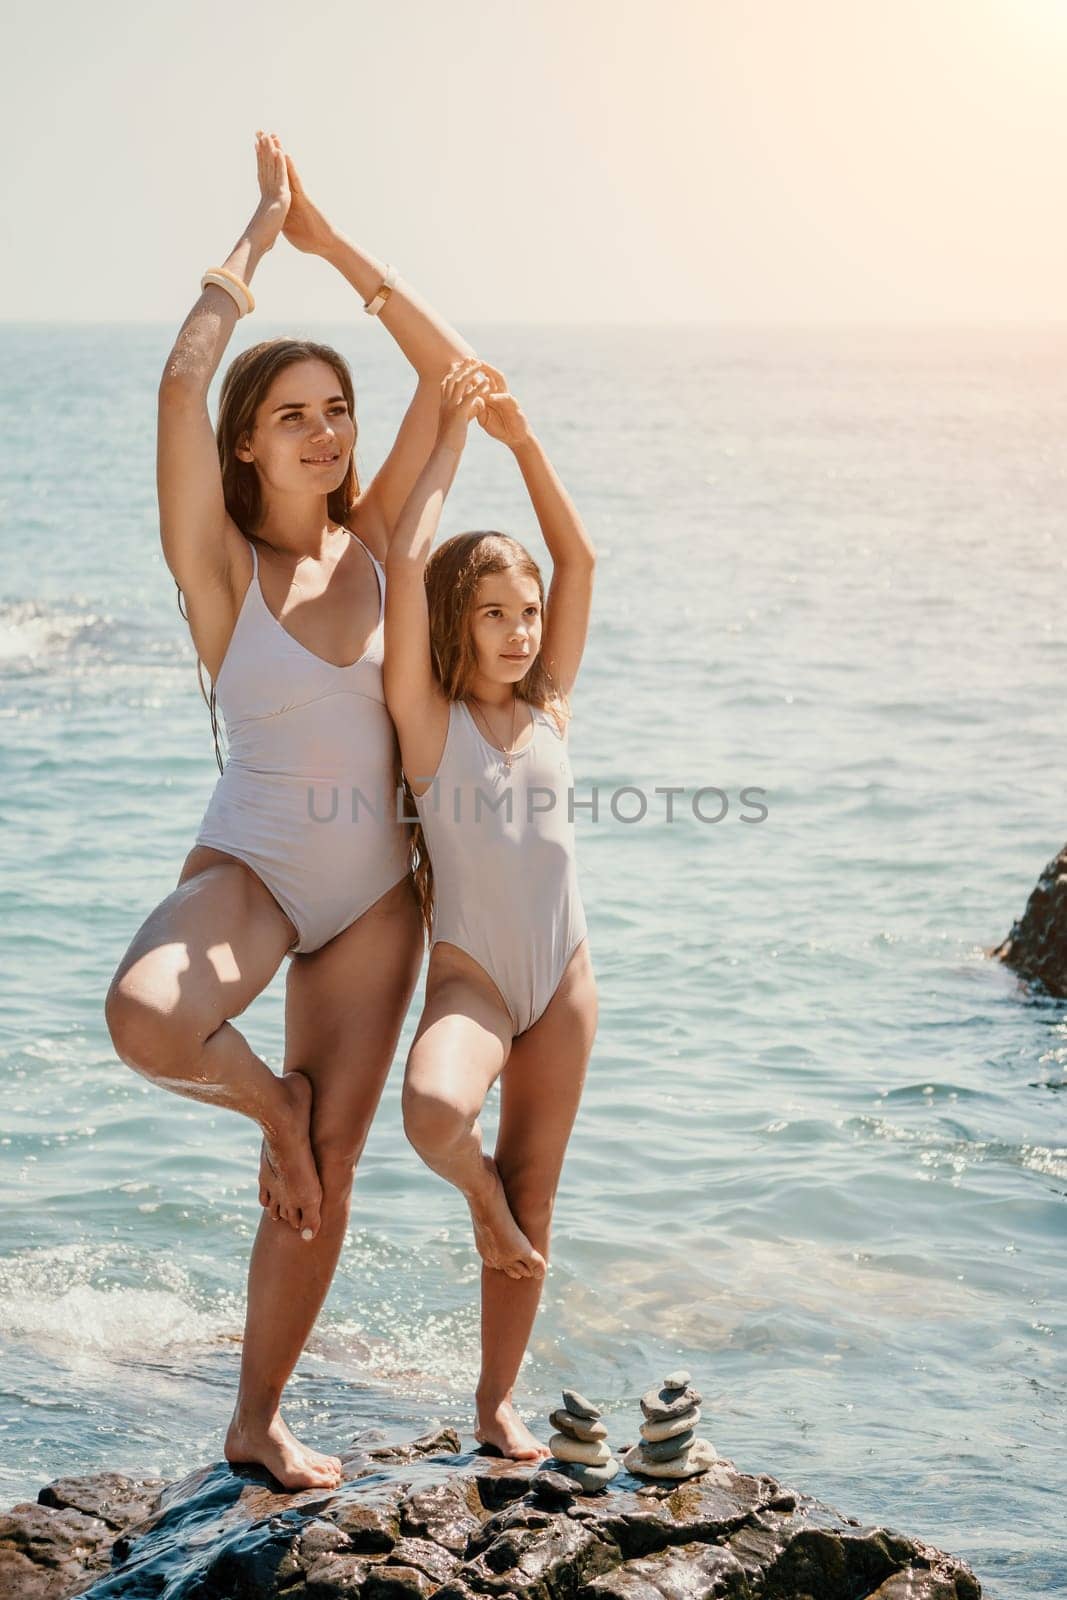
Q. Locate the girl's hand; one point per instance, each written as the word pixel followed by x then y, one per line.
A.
pixel 501 416
pixel 305 227
pixel 273 188
pixel 462 397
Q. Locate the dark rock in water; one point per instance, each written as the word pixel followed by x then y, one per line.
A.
pixel 501 1481
pixel 116 1500
pixel 426 1557
pixel 47 1554
pixel 553 1489
pixel 456 1526
pixel 431 1444
pixel 371 1526
pixel 449 1513
pixel 1036 947
pixel 54 1548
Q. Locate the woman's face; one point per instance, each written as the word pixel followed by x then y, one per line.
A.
pixel 506 625
pixel 304 432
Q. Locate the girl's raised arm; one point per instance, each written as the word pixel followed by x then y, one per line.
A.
pixel 414 696
pixel 200 542
pixel 425 338
pixel 570 594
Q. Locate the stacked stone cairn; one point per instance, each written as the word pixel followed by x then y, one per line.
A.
pixel 669 1447
pixel 579 1446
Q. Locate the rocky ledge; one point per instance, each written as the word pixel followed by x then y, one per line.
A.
pixel 1036 947
pixel 424 1519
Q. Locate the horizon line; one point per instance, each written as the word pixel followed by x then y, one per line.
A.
pixel 817 325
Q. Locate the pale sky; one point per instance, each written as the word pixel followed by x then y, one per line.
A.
pixel 762 161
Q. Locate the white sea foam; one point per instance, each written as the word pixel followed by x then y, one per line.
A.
pixel 48 1298
pixel 30 634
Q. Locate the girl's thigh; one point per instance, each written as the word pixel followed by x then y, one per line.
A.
pixel 542 1086
pixel 464 1035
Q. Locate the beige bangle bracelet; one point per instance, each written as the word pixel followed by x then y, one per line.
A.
pixel 385 289
pixel 239 292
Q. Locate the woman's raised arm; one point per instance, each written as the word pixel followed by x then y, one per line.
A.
pixel 199 540
pixel 424 337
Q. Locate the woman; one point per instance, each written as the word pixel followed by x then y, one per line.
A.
pixel 478 670
pixel 279 559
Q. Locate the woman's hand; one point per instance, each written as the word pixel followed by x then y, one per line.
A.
pixel 305 227
pixel 463 394
pixel 273 189
pixel 501 416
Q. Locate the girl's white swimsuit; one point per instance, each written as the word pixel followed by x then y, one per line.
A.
pixel 308 795
pixel 502 848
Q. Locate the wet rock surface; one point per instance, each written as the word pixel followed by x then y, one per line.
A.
pixel 1036 947
pixel 427 1519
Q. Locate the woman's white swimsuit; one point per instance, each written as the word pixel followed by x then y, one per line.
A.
pixel 308 795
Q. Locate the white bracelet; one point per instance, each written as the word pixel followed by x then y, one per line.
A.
pixel 238 291
pixel 385 289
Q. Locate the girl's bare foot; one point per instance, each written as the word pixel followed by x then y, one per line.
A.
pixel 502 1426
pixel 271 1445
pixel 289 1186
pixel 500 1241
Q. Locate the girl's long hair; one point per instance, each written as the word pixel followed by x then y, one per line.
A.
pixel 452 576
pixel 244 388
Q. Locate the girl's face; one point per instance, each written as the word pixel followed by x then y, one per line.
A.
pixel 506 625
pixel 304 433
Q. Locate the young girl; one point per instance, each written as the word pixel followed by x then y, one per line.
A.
pixel 478 668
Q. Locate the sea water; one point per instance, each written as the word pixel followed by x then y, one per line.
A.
pixel 821 1159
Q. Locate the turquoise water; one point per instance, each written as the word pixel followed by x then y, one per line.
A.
pixel 822 1157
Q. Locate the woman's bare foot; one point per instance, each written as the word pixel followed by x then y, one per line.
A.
pixel 271 1445
pixel 500 1241
pixel 502 1426
pixel 289 1186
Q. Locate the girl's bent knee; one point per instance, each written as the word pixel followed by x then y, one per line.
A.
pixel 433 1124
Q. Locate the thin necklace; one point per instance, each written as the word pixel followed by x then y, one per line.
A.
pixel 307 556
pixel 508 753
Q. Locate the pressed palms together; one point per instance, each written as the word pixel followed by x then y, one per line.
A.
pixel 305 226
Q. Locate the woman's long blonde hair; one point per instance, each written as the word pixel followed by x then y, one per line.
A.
pixel 244 388
pixel 453 574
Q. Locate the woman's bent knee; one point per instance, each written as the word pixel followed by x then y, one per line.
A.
pixel 146 1036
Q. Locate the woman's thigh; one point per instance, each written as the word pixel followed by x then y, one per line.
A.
pixel 542 1084
pixel 344 1008
pixel 203 954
